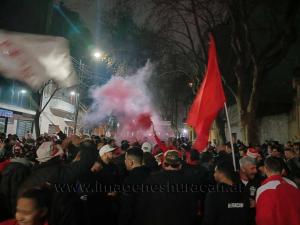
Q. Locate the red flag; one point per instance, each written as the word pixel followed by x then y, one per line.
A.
pixel 209 100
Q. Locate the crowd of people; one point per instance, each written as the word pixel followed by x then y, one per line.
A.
pixel 59 180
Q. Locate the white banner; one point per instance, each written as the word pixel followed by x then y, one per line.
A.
pixel 35 59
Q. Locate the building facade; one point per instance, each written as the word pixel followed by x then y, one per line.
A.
pixel 18 108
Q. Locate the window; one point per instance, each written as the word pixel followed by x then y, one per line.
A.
pixel 23 127
pixel 2 125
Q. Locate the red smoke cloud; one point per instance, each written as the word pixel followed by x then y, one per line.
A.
pixel 144 121
pixel 129 100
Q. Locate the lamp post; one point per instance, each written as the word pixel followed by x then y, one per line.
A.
pixel 23 92
pixel 97 55
pixel 76 111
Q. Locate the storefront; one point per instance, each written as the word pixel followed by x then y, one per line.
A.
pixel 4 116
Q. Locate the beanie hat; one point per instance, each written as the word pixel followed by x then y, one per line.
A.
pixel 252 152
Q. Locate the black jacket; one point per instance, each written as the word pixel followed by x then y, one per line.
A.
pixel 201 177
pixel 99 205
pixel 12 177
pixel 120 164
pixel 66 209
pixel 56 172
pixel 71 153
pixel 226 205
pixel 132 186
pixel 62 176
pixel 250 190
pixel 293 167
pixel 165 200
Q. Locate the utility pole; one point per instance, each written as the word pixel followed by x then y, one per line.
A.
pixel 77 96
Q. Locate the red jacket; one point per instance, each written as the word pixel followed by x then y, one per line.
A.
pixel 9 222
pixel 278 202
pixel 13 222
pixel 4 164
pixel 163 146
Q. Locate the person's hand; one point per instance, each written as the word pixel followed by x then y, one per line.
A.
pixel 96 167
pixel 252 203
pixel 112 194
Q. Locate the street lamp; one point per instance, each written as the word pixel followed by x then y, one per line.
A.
pixel 73 93
pixel 97 55
pixel 23 92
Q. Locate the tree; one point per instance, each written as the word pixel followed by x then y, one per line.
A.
pixel 187 23
pixel 132 44
pixel 254 58
pixel 40 107
pixel 185 26
pixel 260 35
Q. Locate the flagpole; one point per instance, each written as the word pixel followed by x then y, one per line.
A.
pixel 230 137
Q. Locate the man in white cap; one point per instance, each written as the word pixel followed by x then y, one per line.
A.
pixel 106 153
pixel 106 158
pixel 102 203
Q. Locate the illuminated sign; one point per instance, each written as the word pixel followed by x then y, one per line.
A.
pixel 5 113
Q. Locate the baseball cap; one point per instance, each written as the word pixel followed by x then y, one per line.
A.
pixel 105 149
pixel 146 147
